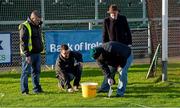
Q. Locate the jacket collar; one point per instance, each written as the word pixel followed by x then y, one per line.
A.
pixel 31 23
pixel 29 20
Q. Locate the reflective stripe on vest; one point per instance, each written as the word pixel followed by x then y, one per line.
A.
pixel 30 34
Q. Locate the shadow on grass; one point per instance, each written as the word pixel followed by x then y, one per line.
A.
pixel 146 92
pixel 127 95
pixel 10 75
pixel 140 66
pixel 92 72
pixel 152 89
pixel 50 92
pixel 135 71
pixel 87 72
pixel 9 82
pixel 174 65
pixel 51 74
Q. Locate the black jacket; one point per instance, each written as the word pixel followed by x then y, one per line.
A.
pixel 114 54
pixel 117 30
pixel 64 66
pixel 37 44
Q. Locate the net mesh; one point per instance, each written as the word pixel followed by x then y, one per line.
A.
pixel 18 10
pixel 154 14
pixel 12 12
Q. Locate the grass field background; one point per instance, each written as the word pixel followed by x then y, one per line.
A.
pixel 140 92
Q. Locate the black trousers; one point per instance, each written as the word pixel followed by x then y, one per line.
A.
pixel 67 77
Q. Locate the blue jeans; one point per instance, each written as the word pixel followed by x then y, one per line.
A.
pixel 122 77
pixel 34 68
pixel 121 88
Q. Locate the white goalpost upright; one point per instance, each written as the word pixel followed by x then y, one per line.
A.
pixel 164 39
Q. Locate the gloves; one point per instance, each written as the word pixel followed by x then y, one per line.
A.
pixel 110 81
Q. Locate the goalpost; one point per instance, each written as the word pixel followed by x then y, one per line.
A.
pixel 164 39
pixel 159 41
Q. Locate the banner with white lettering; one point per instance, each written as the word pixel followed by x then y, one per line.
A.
pixel 80 40
pixel 5 48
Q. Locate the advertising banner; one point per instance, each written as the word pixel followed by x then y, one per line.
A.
pixel 80 40
pixel 5 48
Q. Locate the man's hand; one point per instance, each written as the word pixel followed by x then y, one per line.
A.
pixel 81 64
pixel 130 46
pixel 110 81
pixel 78 64
pixel 28 60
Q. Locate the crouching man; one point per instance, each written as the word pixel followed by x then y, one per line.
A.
pixel 109 56
pixel 68 67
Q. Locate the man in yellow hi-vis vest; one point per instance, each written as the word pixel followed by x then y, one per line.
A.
pixel 31 46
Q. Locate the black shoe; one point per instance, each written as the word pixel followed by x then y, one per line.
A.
pixel 117 95
pixel 41 91
pixel 38 92
pixel 61 85
pixel 101 91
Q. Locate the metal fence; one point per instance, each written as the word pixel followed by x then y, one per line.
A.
pixel 66 14
pixel 139 44
pixel 78 15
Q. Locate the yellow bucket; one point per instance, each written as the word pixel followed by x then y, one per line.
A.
pixel 88 89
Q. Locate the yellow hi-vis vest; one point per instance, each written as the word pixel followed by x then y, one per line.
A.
pixel 30 34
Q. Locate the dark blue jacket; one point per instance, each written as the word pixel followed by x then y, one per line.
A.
pixel 112 53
